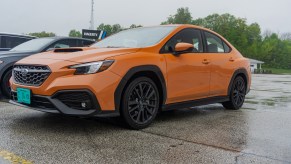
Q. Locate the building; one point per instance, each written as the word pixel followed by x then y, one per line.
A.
pixel 255 64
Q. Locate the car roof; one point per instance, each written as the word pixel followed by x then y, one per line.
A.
pixel 180 26
pixel 66 37
pixel 187 25
pixel 19 35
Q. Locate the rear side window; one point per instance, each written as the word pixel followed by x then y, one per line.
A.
pixel 11 42
pixel 214 44
pixel 192 36
pixel 85 43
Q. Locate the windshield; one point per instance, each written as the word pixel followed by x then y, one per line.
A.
pixel 136 38
pixel 33 45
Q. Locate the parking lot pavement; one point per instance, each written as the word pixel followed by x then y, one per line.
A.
pixel 259 133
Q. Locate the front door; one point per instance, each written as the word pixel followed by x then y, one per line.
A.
pixel 188 74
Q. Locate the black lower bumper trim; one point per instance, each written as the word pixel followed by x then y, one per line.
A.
pixel 52 104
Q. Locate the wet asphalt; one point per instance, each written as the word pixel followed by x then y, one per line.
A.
pixel 258 133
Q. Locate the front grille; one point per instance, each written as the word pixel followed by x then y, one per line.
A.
pixel 76 100
pixel 30 75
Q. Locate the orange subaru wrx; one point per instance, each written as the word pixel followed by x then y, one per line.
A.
pixel 135 74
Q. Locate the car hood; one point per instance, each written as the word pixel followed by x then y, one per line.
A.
pixel 83 55
pixel 6 54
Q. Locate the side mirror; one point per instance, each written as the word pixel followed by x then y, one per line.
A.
pixel 181 48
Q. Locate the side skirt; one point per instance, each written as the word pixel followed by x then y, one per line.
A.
pixel 193 103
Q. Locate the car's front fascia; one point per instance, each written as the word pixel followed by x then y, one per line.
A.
pixel 64 86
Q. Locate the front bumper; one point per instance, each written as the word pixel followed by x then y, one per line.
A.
pixel 67 102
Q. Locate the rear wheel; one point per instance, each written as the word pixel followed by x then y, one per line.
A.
pixel 237 94
pixel 140 103
pixel 5 84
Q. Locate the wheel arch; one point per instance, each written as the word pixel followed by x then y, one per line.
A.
pixel 3 71
pixel 239 72
pixel 150 71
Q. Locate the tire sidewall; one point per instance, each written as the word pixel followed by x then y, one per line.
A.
pixel 232 90
pixel 5 90
pixel 124 104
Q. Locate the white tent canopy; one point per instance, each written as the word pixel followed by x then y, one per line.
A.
pixel 255 64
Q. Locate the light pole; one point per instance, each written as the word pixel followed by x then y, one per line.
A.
pixel 92 16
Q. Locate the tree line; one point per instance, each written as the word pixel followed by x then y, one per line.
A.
pixel 272 48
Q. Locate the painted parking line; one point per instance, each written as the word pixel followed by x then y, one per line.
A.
pixel 12 158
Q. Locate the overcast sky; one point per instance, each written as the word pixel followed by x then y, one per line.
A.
pixel 60 16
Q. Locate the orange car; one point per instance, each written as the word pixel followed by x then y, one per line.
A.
pixel 135 73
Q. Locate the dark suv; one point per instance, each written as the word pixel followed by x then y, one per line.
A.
pixel 8 58
pixel 9 41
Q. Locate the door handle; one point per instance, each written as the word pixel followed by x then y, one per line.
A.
pixel 205 61
pixel 231 59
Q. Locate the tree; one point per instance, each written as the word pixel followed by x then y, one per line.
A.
pixel 110 29
pixel 105 27
pixel 135 26
pixel 183 16
pixel 42 34
pixel 75 33
pixel 116 28
pixel 275 51
pixel 286 36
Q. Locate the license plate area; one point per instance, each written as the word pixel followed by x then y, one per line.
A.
pixel 23 95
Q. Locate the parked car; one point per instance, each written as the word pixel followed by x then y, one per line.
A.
pixel 8 58
pixel 9 41
pixel 135 73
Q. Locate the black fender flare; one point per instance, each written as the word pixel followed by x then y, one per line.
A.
pixel 5 68
pixel 131 72
pixel 3 71
pixel 238 71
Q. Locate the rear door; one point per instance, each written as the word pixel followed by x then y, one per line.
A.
pixel 188 74
pixel 221 60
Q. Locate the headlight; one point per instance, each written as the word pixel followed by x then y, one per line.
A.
pixel 91 68
pixel 1 62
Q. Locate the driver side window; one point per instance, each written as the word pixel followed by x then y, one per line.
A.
pixel 189 35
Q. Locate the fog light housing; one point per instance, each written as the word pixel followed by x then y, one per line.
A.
pixel 76 100
pixel 83 105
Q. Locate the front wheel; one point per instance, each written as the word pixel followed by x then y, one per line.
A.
pixel 237 94
pixel 140 103
pixel 5 84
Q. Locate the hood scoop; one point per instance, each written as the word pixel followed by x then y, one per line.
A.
pixel 67 50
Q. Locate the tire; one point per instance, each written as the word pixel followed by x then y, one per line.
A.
pixel 140 103
pixel 237 94
pixel 5 85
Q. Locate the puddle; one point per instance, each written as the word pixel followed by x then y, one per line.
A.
pixel 249 109
pixel 251 102
pixel 269 103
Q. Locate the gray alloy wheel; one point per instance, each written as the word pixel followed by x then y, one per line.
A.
pixel 237 94
pixel 140 103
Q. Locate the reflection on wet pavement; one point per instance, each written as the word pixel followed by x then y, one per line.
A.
pixel 270 92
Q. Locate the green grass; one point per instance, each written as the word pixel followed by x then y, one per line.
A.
pixel 279 71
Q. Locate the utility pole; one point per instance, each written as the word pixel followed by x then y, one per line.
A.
pixel 92 16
